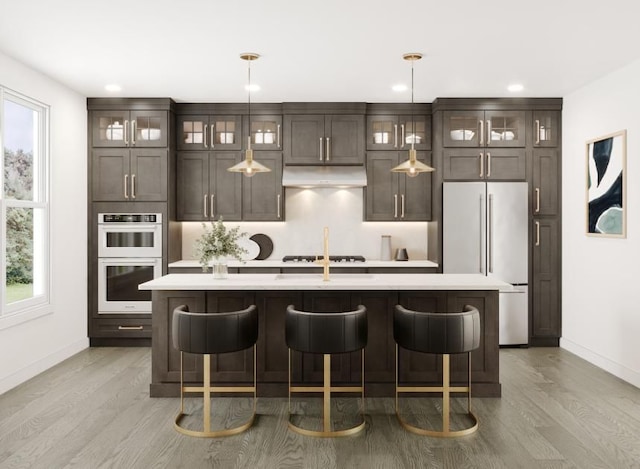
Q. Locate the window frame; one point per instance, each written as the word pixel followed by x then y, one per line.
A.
pixel 37 305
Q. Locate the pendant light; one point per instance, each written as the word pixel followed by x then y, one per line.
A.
pixel 249 167
pixel 412 167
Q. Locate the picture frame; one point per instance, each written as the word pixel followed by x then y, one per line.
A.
pixel 606 185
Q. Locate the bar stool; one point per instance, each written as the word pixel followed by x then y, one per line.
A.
pixel 326 333
pixel 213 333
pixel 442 333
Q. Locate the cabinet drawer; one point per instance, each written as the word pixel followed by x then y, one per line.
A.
pixel 123 327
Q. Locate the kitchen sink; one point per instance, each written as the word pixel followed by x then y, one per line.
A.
pixel 332 277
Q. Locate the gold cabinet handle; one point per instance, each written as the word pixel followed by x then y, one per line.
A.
pixel 488 131
pixel 488 164
pixel 537 131
pixel 278 135
pixel 395 135
pixel 205 206
pixel 126 126
pixel 402 136
pixel 278 198
pixel 212 206
pixel 205 135
pixel 126 186
pixel 130 328
pixel 481 165
pixel 321 148
pixel 537 233
pixel 537 199
pixel 212 135
pixel 481 132
pixel 133 132
pixel 133 186
pixel 328 148
pixel 395 205
pixel 402 206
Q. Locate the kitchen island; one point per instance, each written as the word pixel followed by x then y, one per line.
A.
pixel 271 293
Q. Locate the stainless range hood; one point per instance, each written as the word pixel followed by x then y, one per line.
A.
pixel 324 176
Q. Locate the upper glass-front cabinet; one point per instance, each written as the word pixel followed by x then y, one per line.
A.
pixel 389 132
pixel 209 132
pixel 546 128
pixel 484 128
pixel 266 132
pixel 137 129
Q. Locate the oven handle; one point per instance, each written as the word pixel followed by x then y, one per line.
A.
pixel 130 260
pixel 132 228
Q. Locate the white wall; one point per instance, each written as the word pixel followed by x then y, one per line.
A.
pixel 309 210
pixel 30 347
pixel 600 281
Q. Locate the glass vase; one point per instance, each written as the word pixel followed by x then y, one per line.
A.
pixel 220 270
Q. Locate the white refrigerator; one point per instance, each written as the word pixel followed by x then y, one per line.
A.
pixel 485 230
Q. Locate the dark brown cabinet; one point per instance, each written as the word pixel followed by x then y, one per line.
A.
pixel 545 316
pixel 395 196
pixel 316 139
pixel 263 194
pixel 545 181
pixel 397 132
pixel 480 128
pixel 484 145
pixel 205 189
pixel 129 128
pixel 546 128
pixel 499 164
pixel 209 132
pixel 121 175
pixel 265 132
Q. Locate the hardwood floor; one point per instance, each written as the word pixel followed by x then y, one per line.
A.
pixel 94 411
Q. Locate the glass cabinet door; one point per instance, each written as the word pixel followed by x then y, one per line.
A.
pixel 110 128
pixel 149 129
pixel 463 129
pixel 504 128
pixel 193 132
pixel 225 132
pixel 545 128
pixel 266 132
pixel 416 129
pixel 382 133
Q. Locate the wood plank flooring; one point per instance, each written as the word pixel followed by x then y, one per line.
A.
pixel 94 411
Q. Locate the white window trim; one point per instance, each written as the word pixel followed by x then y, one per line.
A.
pixel 26 310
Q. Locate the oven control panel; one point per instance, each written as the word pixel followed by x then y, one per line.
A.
pixel 130 218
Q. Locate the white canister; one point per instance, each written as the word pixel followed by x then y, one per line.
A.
pixel 385 248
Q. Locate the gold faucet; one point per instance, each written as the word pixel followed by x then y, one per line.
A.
pixel 325 258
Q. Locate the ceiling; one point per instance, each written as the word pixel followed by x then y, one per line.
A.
pixel 334 50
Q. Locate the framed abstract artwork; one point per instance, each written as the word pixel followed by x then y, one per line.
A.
pixel 607 185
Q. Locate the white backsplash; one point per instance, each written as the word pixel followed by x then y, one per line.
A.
pixel 308 211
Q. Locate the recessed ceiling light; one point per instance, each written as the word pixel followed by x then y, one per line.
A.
pixel 252 87
pixel 514 88
pixel 113 88
pixel 399 88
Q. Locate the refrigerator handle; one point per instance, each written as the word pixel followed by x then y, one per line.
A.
pixel 480 218
pixel 490 235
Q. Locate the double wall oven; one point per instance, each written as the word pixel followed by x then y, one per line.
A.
pixel 129 253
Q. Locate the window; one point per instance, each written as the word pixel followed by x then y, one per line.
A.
pixel 24 205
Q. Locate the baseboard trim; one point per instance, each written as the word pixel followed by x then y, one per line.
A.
pixel 616 369
pixel 29 371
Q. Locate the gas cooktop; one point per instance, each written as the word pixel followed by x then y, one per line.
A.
pixel 331 258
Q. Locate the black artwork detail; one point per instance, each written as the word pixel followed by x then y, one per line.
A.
pixel 611 198
pixel 602 156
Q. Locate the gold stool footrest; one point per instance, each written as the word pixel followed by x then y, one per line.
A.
pixel 439 433
pixel 212 433
pixel 327 434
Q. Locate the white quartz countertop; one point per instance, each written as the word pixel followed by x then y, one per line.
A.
pixel 280 264
pixel 337 282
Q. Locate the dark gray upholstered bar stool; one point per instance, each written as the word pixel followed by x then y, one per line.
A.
pixel 326 333
pixel 213 333
pixel 441 333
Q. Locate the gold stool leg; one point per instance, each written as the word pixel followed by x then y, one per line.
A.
pixel 326 394
pixel 206 390
pixel 446 390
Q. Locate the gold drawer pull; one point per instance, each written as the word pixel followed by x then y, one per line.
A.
pixel 130 328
